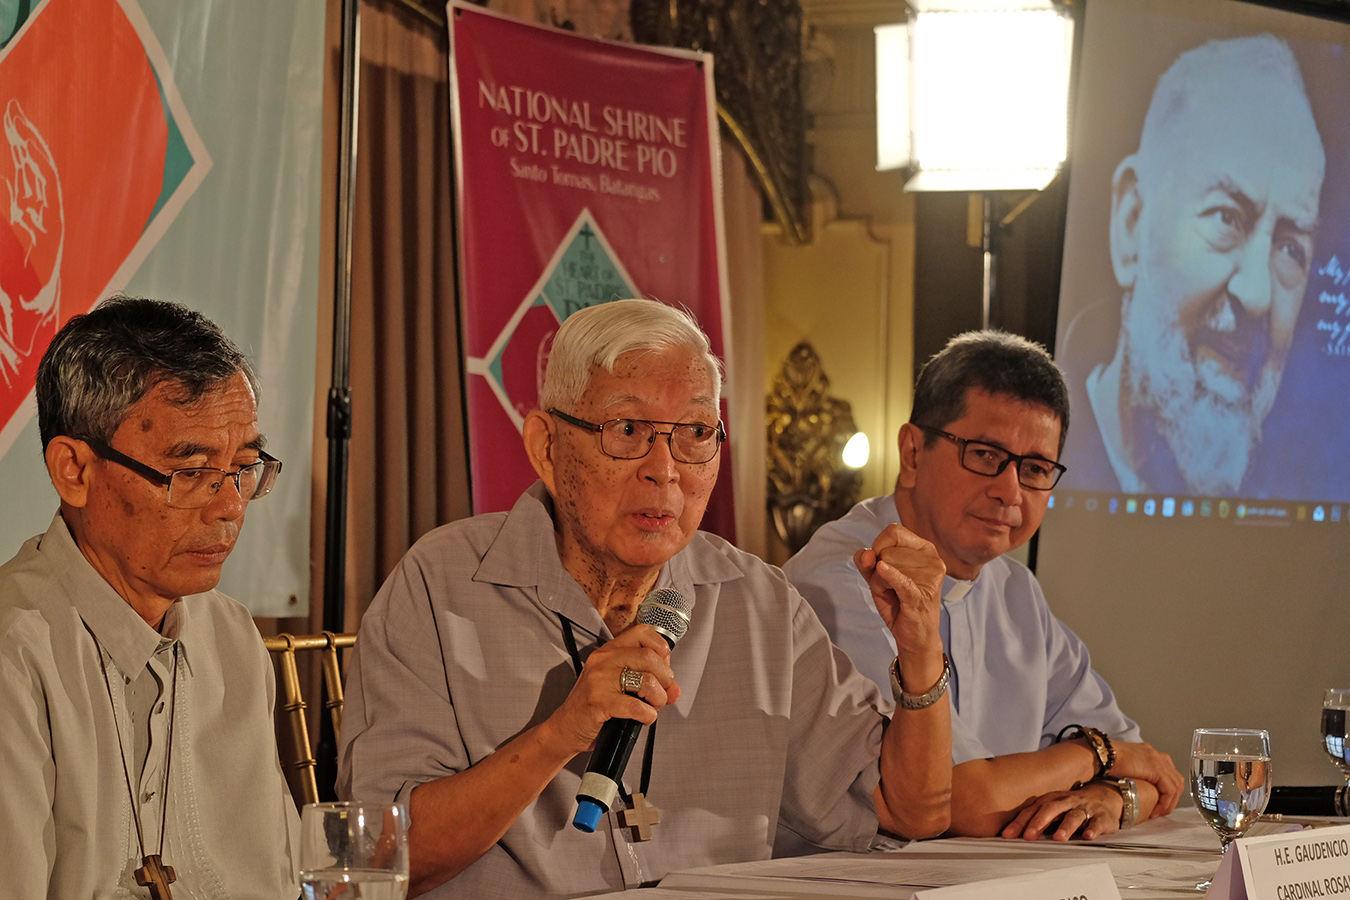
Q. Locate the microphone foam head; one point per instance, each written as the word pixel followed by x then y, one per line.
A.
pixel 666 610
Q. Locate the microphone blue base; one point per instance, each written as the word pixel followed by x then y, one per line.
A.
pixel 595 796
pixel 588 815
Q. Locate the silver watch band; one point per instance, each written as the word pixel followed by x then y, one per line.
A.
pixel 1129 800
pixel 920 701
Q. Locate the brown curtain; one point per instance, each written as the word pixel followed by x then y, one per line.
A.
pixel 408 469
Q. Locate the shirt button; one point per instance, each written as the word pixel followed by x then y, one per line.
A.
pixel 149 795
pixel 160 708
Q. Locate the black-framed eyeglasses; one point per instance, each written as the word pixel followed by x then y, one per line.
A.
pixel 1033 472
pixel 690 442
pixel 197 487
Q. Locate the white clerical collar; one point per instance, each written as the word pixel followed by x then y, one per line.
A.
pixel 955 590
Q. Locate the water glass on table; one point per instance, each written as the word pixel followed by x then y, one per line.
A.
pixel 354 851
pixel 1230 778
pixel 1335 705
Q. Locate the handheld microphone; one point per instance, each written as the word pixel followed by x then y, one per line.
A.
pixel 1298 800
pixel 667 611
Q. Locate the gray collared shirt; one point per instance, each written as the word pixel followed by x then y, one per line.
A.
pixel 66 821
pixel 463 649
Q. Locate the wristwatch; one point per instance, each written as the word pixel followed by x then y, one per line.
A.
pixel 920 701
pixel 1129 800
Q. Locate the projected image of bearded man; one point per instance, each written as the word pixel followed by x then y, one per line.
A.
pixel 1212 227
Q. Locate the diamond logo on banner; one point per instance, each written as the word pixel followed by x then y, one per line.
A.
pixel 91 176
pixel 584 271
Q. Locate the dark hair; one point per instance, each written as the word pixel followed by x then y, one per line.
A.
pixel 997 363
pixel 103 362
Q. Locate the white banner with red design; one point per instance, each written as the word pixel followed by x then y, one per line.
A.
pixel 169 150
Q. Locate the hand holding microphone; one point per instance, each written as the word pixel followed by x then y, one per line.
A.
pixel 667 612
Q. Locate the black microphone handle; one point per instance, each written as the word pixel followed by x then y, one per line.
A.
pixel 1311 800
pixel 600 784
pixel 613 747
pixel 667 611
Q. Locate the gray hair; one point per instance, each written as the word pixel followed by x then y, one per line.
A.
pixel 599 335
pixel 101 363
pixel 1214 68
pixel 997 363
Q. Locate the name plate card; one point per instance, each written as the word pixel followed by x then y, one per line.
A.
pixel 1093 882
pixel 1301 865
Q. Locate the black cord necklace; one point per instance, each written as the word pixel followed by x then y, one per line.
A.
pixel 152 873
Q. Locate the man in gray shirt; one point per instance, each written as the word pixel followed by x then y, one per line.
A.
pixel 501 644
pixel 136 740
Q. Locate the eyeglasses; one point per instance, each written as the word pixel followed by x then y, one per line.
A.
pixel 690 442
pixel 1033 472
pixel 197 487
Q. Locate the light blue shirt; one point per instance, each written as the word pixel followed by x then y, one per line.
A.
pixel 1019 674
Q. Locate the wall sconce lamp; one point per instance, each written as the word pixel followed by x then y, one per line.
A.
pixel 814 450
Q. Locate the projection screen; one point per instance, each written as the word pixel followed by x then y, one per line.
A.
pixel 1200 541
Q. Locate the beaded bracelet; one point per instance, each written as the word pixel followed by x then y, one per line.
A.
pixel 1098 742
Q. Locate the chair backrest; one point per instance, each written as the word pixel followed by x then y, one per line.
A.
pixel 293 700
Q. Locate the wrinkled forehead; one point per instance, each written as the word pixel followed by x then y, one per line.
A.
pixel 204 396
pixel 175 401
pixel 643 375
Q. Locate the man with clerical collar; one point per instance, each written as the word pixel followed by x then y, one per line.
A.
pixel 1211 239
pixel 501 644
pixel 137 749
pixel 1038 743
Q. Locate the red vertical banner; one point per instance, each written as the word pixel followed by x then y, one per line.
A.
pixel 586 171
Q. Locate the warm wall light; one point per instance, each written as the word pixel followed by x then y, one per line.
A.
pixel 856 451
pixel 975 99
pixel 808 428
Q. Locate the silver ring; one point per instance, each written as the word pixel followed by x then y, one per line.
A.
pixel 630 681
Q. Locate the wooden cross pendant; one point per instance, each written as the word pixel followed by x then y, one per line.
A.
pixel 641 817
pixel 157 876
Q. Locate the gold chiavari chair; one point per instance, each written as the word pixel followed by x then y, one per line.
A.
pixel 293 700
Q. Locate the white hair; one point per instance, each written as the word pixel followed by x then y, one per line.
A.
pixel 599 335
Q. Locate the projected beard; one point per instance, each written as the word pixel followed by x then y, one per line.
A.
pixel 1209 418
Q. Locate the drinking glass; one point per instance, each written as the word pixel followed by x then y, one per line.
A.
pixel 1230 778
pixel 354 851
pixel 1335 703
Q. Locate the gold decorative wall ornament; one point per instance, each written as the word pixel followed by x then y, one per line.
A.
pixel 809 484
pixel 757 52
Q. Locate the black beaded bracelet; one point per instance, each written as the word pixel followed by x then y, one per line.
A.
pixel 1098 742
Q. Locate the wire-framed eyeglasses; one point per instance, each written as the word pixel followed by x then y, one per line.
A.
pixel 690 442
pixel 1033 472
pixel 197 487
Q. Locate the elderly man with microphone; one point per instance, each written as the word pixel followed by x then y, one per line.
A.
pixel 503 647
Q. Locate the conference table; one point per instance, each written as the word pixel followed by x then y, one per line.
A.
pixel 1162 859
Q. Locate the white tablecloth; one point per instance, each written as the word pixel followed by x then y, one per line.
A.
pixel 1162 859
